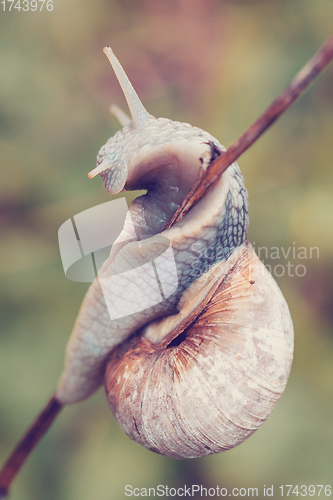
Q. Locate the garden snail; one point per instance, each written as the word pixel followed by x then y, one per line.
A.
pixel 202 370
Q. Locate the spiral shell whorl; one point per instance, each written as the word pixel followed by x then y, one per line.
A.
pixel 211 387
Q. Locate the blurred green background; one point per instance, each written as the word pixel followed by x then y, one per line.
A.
pixel 217 65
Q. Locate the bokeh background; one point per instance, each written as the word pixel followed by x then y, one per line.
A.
pixel 217 65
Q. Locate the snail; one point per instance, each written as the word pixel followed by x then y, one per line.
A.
pixel 201 370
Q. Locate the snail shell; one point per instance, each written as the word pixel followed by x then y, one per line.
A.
pixel 200 371
pixel 214 378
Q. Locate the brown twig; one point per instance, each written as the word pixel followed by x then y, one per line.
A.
pixel 27 444
pixel 300 83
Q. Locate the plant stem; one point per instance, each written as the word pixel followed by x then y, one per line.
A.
pixel 300 83
pixel 27 444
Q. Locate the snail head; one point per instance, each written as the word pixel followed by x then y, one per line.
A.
pixel 156 154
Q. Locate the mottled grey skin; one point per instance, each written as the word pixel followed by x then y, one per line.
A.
pixel 163 157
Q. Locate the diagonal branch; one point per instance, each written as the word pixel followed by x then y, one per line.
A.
pixel 290 94
pixel 27 444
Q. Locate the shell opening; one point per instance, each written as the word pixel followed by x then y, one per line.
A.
pixel 177 340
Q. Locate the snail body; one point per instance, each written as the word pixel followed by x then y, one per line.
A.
pixel 201 370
